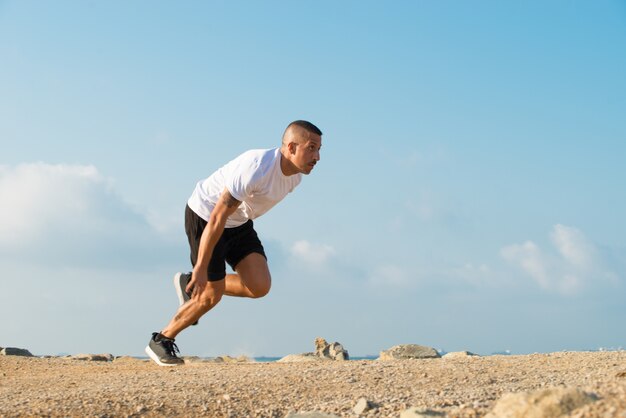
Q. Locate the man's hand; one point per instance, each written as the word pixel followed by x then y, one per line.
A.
pixel 226 206
pixel 198 282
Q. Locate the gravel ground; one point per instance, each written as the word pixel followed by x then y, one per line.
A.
pixel 463 387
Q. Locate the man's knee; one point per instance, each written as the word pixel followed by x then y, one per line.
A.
pixel 261 290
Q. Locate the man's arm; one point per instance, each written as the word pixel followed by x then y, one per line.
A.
pixel 226 206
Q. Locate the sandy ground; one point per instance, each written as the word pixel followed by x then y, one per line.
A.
pixel 466 387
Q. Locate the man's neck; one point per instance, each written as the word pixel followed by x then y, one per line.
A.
pixel 287 166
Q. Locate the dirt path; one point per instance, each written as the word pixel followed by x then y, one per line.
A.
pixel 466 387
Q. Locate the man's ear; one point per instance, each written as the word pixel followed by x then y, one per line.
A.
pixel 292 147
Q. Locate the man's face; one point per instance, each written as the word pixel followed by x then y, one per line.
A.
pixel 307 152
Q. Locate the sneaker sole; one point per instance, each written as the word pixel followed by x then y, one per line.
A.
pixel 179 289
pixel 155 358
pixel 180 292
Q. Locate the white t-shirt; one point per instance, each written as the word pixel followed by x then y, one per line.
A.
pixel 254 178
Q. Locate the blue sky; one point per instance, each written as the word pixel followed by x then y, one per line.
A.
pixel 469 197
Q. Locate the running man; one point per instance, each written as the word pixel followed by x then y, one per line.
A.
pixel 218 222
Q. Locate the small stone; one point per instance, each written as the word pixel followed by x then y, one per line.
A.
pixel 93 357
pixel 415 412
pixel 226 397
pixel 408 351
pixel 229 359
pixel 128 359
pixel 362 405
pixel 459 354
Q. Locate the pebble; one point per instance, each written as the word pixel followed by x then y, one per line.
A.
pixel 362 405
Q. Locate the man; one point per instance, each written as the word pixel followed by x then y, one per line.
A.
pixel 218 222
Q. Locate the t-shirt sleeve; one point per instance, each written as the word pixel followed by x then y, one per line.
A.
pixel 240 180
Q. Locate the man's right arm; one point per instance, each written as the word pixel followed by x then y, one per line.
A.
pixel 226 206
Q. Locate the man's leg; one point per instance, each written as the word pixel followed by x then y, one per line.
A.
pixel 198 305
pixel 253 279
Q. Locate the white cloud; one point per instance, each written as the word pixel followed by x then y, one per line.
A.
pixel 573 265
pixel 69 214
pixel 573 246
pixel 34 196
pixel 316 254
pixel 530 259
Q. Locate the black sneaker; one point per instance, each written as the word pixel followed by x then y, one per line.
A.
pixel 181 280
pixel 163 350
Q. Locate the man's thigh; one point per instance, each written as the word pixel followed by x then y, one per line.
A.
pixel 255 272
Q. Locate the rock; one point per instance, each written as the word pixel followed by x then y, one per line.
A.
pixel 337 352
pixel 129 359
pixel 547 403
pixel 12 351
pixel 323 351
pixel 408 351
pixel 460 354
pixel 193 359
pixel 229 359
pixel 334 351
pixel 93 357
pixel 362 405
pixel 300 358
pixel 313 414
pixel 421 413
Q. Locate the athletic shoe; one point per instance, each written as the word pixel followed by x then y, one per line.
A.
pixel 181 280
pixel 163 350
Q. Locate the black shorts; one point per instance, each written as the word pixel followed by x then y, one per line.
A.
pixel 234 244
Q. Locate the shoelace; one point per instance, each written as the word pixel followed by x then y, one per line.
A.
pixel 171 348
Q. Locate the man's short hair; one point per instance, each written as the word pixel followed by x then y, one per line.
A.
pixel 307 126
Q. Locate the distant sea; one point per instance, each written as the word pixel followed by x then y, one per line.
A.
pixel 269 359
pixel 264 359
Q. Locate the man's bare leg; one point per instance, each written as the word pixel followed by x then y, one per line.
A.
pixel 253 279
pixel 198 305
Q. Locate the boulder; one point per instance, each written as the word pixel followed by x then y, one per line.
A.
pixel 334 351
pixel 421 413
pixel 546 403
pixel 12 351
pixel 323 351
pixel 93 357
pixel 460 354
pixel 408 351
